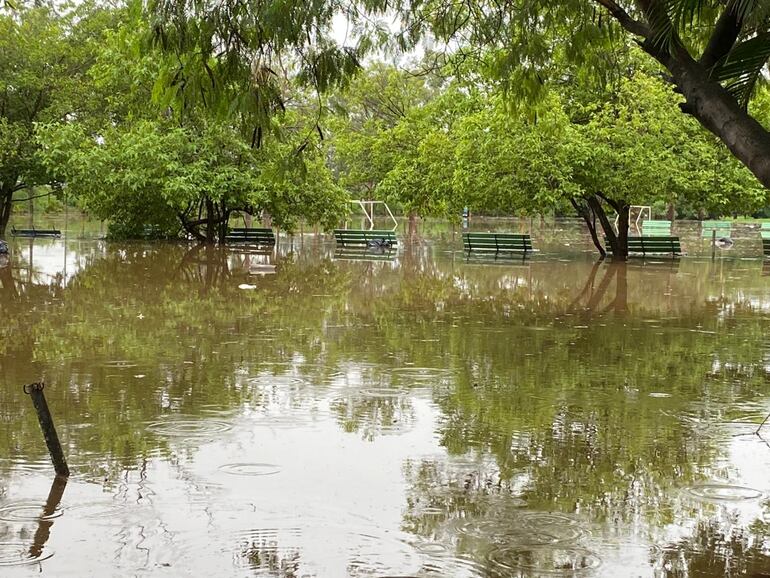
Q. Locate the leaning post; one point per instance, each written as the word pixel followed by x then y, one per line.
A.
pixel 713 244
pixel 35 391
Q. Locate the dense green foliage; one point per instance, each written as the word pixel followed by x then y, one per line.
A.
pixel 44 58
pixel 433 151
pixel 155 129
pixel 711 52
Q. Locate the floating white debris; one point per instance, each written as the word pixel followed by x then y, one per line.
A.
pixel 246 286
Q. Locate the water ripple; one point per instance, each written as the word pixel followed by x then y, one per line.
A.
pixel 723 492
pixel 250 469
pixel 25 511
pixel 18 554
pixel 542 560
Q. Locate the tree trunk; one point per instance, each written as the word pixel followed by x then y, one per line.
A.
pixel 618 242
pixel 225 214
pixel 622 231
pixel 671 211
pixel 590 221
pixel 705 99
pixel 6 202
pixel 718 111
pixel 412 227
pixel 211 222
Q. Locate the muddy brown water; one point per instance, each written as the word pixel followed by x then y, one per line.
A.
pixel 301 415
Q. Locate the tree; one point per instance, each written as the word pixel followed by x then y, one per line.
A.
pixel 712 52
pixel 154 174
pixel 392 140
pixel 148 168
pixel 44 57
pixel 632 149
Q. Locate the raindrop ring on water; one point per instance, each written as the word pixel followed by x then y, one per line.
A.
pixel 543 560
pixel 250 469
pixel 723 492
pixel 24 511
pixel 18 554
pixel 195 428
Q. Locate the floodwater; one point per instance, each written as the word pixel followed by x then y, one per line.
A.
pixel 301 415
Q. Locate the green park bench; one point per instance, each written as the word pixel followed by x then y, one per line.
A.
pixel 652 246
pixel 497 243
pixel 656 228
pixel 764 231
pixel 33 232
pixel 364 237
pixel 251 236
pixel 722 229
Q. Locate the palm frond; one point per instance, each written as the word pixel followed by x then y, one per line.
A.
pixel 740 70
pixel 667 17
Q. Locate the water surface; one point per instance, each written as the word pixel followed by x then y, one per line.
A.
pixel 302 415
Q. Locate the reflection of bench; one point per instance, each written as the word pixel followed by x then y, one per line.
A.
pixel 497 243
pixel 653 245
pixel 765 233
pixel 722 229
pixel 364 253
pixel 379 238
pixel 250 236
pixel 35 232
pixel 656 228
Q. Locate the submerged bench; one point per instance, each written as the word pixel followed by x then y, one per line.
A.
pixel 33 232
pixel 497 243
pixel 652 245
pixel 722 229
pixel 764 231
pixel 656 228
pixel 364 237
pixel 251 236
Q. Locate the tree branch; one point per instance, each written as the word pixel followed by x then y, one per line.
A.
pixel 726 32
pixel 31 198
pixel 624 18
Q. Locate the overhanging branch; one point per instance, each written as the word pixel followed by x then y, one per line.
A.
pixel 624 18
pixel 32 198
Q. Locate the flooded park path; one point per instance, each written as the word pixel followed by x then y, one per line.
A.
pixel 301 415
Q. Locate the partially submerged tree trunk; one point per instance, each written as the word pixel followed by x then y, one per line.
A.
pixel 212 227
pixel 411 233
pixel 7 189
pixel 591 209
pixel 211 222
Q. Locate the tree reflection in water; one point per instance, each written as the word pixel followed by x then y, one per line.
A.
pixel 590 392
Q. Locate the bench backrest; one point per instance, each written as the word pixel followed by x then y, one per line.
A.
pixel 722 228
pixel 766 246
pixel 256 236
pixel 656 244
pixel 35 232
pixel 656 228
pixel 651 244
pixel 363 236
pixel 497 242
pixel 764 230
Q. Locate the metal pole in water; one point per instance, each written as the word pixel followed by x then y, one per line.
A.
pixel 713 244
pixel 35 391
